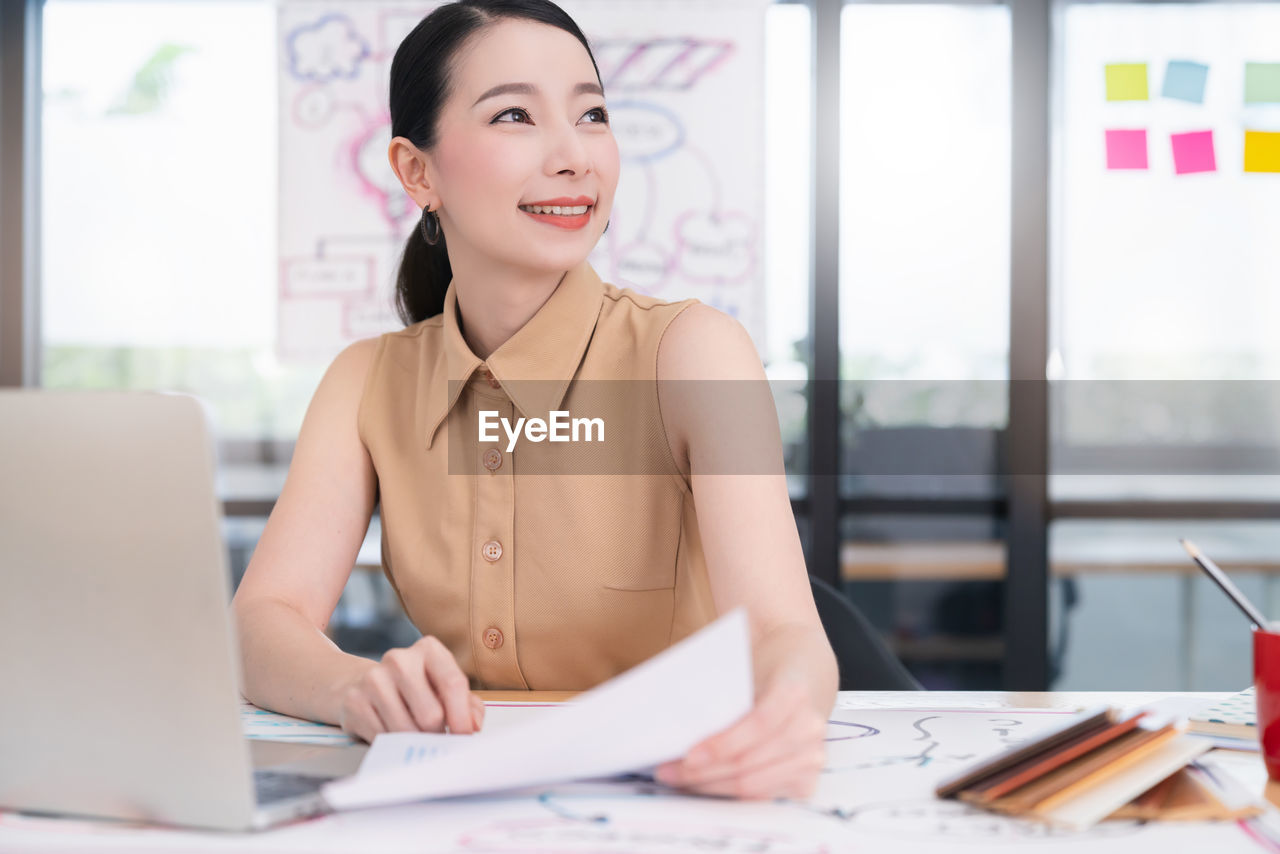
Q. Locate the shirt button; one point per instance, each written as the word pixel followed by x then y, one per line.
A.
pixel 493 459
pixel 491 378
pixel 492 638
pixel 492 550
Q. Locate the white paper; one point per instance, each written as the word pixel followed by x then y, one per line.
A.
pixel 653 713
pixel 403 749
pixel 400 749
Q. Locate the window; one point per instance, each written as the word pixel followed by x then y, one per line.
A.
pixel 1163 296
pixel 924 218
pixel 789 201
pixel 924 314
pixel 159 208
pixel 1186 636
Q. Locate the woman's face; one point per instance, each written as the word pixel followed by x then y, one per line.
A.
pixel 547 140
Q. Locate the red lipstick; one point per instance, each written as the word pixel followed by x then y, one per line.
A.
pixel 565 200
pixel 571 223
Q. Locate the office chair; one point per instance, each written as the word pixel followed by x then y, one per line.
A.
pixel 866 663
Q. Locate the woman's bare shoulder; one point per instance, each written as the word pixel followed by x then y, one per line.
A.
pixel 345 377
pixel 705 343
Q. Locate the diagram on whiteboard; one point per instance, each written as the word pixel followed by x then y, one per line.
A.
pixel 685 96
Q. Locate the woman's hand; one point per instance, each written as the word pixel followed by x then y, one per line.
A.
pixel 414 689
pixel 777 750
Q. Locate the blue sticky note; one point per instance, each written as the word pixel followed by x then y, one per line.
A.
pixel 1185 81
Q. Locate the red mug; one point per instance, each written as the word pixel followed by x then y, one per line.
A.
pixel 1266 686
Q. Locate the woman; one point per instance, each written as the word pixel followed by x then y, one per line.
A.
pixel 495 107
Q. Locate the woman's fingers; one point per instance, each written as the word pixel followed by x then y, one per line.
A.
pixel 776 750
pixel 795 735
pixel 416 689
pixel 450 684
pixel 776 747
pixel 359 717
pixel 764 719
pixel 386 699
pixel 786 764
pixel 796 776
pixel 411 680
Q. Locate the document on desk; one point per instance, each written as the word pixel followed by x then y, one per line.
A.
pixel 652 713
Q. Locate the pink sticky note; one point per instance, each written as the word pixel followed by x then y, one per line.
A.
pixel 1193 152
pixel 1126 149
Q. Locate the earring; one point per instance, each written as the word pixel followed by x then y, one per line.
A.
pixel 430 226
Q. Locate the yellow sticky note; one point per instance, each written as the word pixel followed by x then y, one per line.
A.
pixel 1261 151
pixel 1127 81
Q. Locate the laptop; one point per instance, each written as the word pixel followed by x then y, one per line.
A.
pixel 118 655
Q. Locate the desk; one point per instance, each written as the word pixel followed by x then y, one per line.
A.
pixel 872 799
pixel 1103 560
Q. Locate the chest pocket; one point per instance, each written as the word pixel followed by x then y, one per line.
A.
pixel 643 551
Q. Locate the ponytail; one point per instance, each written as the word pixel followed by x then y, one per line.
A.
pixel 423 278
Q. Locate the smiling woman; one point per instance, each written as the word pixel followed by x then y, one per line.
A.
pixel 521 577
pixel 467 161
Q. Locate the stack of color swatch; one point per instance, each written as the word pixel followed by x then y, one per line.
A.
pixel 1101 764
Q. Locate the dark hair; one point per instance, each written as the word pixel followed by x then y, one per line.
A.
pixel 421 80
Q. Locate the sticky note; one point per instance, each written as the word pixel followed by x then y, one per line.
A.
pixel 1193 152
pixel 1185 81
pixel 1126 149
pixel 1127 81
pixel 1262 82
pixel 1261 151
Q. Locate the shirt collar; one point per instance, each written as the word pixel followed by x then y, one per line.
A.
pixel 546 350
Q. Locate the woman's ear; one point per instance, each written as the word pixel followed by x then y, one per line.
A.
pixel 410 165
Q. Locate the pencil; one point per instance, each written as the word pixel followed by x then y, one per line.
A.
pixel 1220 578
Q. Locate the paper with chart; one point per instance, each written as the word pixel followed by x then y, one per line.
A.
pixel 267 725
pixel 273 726
pixel 684 84
pixel 665 705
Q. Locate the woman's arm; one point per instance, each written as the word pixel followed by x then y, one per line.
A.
pixel 719 412
pixel 305 555
pixel 298 571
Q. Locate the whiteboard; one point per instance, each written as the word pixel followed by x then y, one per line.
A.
pixel 684 83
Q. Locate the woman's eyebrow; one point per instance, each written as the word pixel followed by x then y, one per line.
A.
pixel 530 89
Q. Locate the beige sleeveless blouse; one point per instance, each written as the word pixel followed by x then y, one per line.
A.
pixel 550 566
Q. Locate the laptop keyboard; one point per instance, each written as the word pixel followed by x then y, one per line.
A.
pixel 271 786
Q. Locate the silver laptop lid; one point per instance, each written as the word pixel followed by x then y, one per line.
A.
pixel 116 650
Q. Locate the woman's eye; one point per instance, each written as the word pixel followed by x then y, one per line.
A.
pixel 512 110
pixel 599 111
